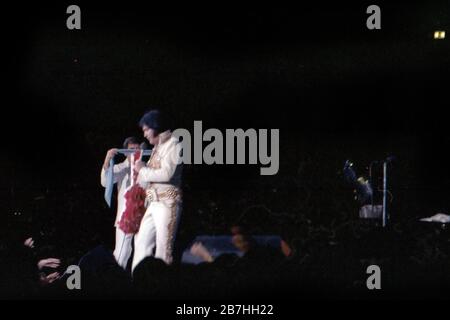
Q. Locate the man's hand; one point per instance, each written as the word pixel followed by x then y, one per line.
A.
pixel 48 279
pixel 49 263
pixel 138 166
pixel 199 250
pixel 109 155
pixel 29 243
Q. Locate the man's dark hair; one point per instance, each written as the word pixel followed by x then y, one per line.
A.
pixel 130 140
pixel 155 120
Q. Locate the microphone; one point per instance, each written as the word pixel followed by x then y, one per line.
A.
pixel 391 158
pixel 388 159
pixel 143 146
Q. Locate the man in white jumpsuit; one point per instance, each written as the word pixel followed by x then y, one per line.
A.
pixel 161 178
pixel 122 176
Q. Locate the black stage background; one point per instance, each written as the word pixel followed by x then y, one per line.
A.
pixel 335 89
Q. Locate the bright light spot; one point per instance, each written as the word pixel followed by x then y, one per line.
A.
pixel 439 35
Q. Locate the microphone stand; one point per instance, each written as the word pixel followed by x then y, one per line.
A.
pixel 371 183
pixel 145 152
pixel 384 193
pixel 384 213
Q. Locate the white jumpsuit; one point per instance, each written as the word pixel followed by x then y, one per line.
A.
pixel 161 179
